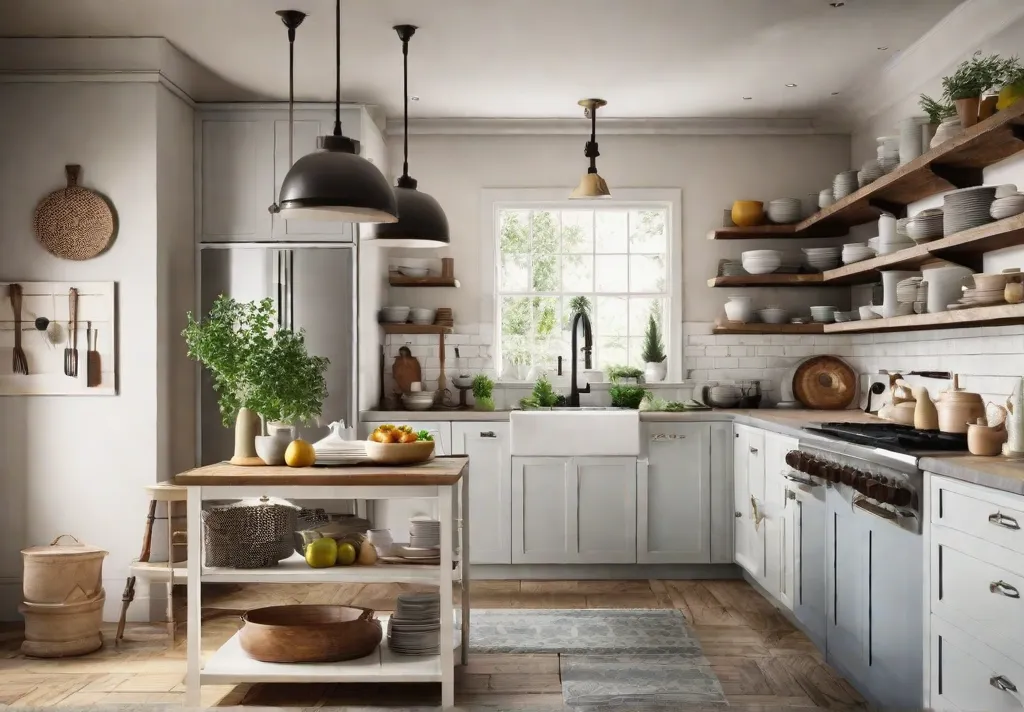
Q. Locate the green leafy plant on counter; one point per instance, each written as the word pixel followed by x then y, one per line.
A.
pixel 617 373
pixel 483 389
pixel 254 365
pixel 654 349
pixel 543 395
pixel 626 395
pixel 937 111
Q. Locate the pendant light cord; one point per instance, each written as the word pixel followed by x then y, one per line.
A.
pixel 291 96
pixel 337 68
pixel 591 151
pixel 405 92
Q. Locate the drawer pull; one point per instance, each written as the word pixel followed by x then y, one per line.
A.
pixel 806 482
pixel 753 451
pixel 488 434
pixel 1004 589
pixel 1001 683
pixel 1004 521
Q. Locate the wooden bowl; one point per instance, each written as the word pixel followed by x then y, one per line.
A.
pixel 309 634
pixel 400 453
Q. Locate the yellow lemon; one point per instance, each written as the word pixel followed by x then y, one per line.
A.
pixel 1010 95
pixel 346 554
pixel 322 553
pixel 299 454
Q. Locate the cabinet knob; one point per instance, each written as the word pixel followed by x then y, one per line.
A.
pixel 738 515
pixel 790 494
pixel 488 434
pixel 1001 683
pixel 1001 520
pixel 753 451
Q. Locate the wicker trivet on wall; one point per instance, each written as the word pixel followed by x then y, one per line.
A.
pixel 74 223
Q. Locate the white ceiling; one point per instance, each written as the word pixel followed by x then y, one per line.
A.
pixel 522 58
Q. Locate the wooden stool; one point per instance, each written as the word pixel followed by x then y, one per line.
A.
pixel 171 571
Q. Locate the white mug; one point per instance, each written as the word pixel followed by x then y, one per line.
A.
pixel 416 387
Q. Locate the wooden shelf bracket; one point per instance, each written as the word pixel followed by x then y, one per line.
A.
pixel 958 177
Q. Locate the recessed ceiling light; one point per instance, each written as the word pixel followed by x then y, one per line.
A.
pixel 837 4
pixel 414 98
pixel 835 93
pixel 747 98
pixel 882 49
pixel 791 85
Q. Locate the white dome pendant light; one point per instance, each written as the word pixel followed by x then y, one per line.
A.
pixel 591 184
pixel 334 183
pixel 421 220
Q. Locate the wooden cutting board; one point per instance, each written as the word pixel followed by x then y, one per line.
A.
pixel 406 370
pixel 825 383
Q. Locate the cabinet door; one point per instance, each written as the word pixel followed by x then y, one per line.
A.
pixel 748 461
pixel 674 494
pixel 544 499
pixel 306 131
pixel 605 510
pixel 847 631
pixel 777 557
pixel 806 531
pixel 490 489
pixel 236 185
pixel 722 519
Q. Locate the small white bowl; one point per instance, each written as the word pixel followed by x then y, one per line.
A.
pixel 413 271
pixel 394 315
pixel 773 316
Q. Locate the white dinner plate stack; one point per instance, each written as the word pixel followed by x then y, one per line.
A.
pixel 1007 206
pixel 424 533
pixel 823 314
pixel 856 252
pixel 335 450
pixel 906 290
pixel 822 258
pixel 870 171
pixel 925 226
pixel 966 208
pixel 415 626
pixel 844 183
pixel 785 211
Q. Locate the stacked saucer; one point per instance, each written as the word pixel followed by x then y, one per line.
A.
pixel 415 626
pixel 855 252
pixel 785 211
pixel 822 258
pixel 335 449
pixel 1008 206
pixel 966 208
pixel 925 226
pixel 731 268
pixel 906 290
pixel 844 184
pixel 870 172
pixel 424 533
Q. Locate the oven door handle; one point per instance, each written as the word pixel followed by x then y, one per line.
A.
pixel 800 480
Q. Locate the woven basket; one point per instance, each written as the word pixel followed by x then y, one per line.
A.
pixel 254 534
pixel 74 223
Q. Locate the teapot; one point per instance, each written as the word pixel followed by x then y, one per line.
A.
pixel 958 407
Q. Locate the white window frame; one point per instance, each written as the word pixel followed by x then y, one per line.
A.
pixel 494 199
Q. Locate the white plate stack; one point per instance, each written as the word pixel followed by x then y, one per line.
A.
pixel 822 258
pixel 888 152
pixel 424 533
pixel 823 315
pixel 1008 206
pixel 785 211
pixel 966 208
pixel 870 171
pixel 925 226
pixel 856 252
pixel 844 183
pixel 906 290
pixel 334 449
pixel 415 626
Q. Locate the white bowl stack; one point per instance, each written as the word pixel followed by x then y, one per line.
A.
pixel 856 252
pixel 422 400
pixel 421 315
pixel 925 226
pixel 822 258
pixel 966 208
pixel 844 316
pixel 394 315
pixel 823 315
pixel 844 183
pixel 785 211
pixel 1008 206
pixel 761 261
pixel 773 315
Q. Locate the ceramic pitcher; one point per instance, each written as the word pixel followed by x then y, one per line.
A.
pixel 1015 421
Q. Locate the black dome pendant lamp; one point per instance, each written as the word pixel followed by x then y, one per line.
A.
pixel 421 221
pixel 333 183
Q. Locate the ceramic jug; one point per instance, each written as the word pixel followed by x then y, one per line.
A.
pixel 1014 446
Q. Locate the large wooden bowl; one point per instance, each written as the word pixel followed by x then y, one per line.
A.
pixel 309 634
pixel 400 453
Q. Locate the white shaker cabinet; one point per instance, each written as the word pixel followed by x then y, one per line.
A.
pixel 490 489
pixel 748 483
pixel 569 510
pixel 674 494
pixel 778 570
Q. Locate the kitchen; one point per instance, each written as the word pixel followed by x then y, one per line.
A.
pixel 223 185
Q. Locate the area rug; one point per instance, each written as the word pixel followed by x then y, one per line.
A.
pixel 639 682
pixel 581 632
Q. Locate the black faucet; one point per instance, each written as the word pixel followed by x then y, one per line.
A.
pixel 588 346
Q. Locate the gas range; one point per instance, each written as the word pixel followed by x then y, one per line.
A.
pixel 900 442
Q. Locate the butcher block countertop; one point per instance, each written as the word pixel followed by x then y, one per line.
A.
pixel 439 471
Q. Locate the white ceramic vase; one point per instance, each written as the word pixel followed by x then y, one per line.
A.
pixel 654 372
pixel 944 282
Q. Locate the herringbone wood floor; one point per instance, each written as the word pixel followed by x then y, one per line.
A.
pixel 762 661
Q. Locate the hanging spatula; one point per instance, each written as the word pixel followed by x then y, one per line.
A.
pixel 71 352
pixel 93 369
pixel 19 362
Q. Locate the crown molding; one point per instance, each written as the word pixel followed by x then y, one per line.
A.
pixel 93 77
pixel 612 127
pixel 953 38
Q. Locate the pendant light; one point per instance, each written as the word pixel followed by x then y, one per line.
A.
pixel 334 183
pixel 421 221
pixel 591 184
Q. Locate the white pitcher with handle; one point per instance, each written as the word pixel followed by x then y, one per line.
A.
pixel 1014 445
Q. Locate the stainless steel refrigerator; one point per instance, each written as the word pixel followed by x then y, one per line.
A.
pixel 313 288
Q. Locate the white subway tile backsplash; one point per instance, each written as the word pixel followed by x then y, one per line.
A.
pixel 770 350
pixel 701 339
pixel 753 362
pixel 701 362
pixel 726 362
pixel 741 350
pixel 720 350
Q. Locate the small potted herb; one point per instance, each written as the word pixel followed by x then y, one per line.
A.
pixel 543 396
pixel 624 374
pixel 627 395
pixel 655 361
pixel 937 113
pixel 483 389
pixel 970 80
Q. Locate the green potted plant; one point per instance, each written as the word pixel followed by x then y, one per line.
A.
pixel 483 389
pixel 626 395
pixel 937 113
pixel 543 395
pixel 624 374
pixel 969 81
pixel 655 361
pixel 257 370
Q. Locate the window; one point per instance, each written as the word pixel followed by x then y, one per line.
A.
pixel 616 255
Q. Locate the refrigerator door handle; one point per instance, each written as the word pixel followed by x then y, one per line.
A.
pixel 291 290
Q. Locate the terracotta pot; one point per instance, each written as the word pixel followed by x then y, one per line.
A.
pixel 309 634
pixel 987 106
pixel 247 427
pixel 62 630
pixel 747 213
pixel 985 440
pixel 62 573
pixel 967 110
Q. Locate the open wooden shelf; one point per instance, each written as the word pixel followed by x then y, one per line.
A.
pixel 397 279
pixel 976 316
pixel 767 280
pixel 416 329
pixel 957 163
pixel 759 328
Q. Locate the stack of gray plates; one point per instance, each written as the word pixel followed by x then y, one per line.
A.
pixel 424 533
pixel 731 268
pixel 844 184
pixel 415 626
pixel 1008 206
pixel 966 208
pixel 870 172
